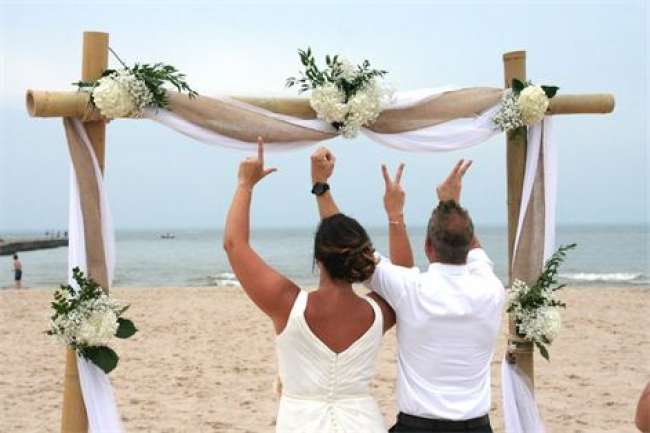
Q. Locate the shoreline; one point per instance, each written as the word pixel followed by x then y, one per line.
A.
pixel 204 361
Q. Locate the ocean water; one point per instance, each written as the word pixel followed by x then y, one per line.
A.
pixel 606 255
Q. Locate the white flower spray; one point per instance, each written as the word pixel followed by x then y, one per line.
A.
pixel 346 95
pixel 121 94
pixel 87 320
pixel 523 104
pixel 536 309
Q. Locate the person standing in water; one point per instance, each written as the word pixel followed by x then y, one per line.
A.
pixel 18 271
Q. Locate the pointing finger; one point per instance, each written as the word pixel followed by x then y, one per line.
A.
pixel 260 149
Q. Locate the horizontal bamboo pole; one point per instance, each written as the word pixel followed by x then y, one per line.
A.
pixel 576 104
pixel 44 103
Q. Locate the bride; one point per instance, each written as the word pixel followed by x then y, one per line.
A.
pixel 327 340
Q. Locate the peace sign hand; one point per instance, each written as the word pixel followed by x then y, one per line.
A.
pixel 251 170
pixel 394 196
pixel 450 188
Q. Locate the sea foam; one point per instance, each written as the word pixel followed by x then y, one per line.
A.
pixel 604 277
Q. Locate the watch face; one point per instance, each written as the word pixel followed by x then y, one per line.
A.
pixel 320 188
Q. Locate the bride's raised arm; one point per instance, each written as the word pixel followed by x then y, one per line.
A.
pixel 272 292
pixel 399 244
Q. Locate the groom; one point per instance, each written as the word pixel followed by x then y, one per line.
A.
pixel 447 317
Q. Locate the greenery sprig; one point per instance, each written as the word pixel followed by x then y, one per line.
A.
pixel 518 85
pixel 539 296
pixel 534 298
pixel 313 77
pixel 155 77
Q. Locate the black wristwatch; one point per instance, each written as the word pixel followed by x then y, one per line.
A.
pixel 320 188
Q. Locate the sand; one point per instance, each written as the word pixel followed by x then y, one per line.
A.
pixel 204 361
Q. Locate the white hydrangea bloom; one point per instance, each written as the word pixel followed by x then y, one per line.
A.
pixel 92 323
pixel 121 94
pixel 98 328
pixel 541 324
pixel 552 322
pixel 329 103
pixel 365 107
pixel 533 103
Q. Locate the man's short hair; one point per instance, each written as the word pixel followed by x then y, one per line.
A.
pixel 450 231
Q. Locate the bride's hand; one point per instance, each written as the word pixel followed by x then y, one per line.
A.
pixel 322 165
pixel 251 170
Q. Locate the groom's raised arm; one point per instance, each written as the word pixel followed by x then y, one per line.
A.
pixel 450 189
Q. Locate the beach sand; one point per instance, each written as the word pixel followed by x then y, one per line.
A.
pixel 204 361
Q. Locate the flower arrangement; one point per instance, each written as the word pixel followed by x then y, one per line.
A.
pixel 127 91
pixel 86 320
pixel 522 105
pixel 536 309
pixel 347 96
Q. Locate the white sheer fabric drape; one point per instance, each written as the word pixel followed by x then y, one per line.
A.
pixel 520 413
pixel 538 140
pixel 448 136
pixel 96 387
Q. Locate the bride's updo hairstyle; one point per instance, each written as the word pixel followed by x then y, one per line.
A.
pixel 343 247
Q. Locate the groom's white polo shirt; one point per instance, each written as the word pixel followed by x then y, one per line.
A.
pixel 447 323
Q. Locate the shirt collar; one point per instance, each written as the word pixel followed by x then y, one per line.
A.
pixel 448 269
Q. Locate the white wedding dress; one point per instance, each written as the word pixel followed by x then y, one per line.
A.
pixel 326 392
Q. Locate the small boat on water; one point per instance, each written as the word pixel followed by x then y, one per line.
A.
pixel 168 236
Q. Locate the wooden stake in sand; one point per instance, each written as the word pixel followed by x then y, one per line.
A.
pixel 94 62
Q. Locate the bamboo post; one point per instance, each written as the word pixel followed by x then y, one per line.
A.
pixel 94 62
pixel 514 63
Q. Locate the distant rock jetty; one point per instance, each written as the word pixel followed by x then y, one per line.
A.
pixel 15 246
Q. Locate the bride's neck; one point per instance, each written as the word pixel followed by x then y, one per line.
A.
pixel 328 284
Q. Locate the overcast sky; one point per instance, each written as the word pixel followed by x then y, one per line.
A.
pixel 158 178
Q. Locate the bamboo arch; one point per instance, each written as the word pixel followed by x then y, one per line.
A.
pixel 44 103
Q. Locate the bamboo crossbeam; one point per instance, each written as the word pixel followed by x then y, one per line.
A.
pixel 45 103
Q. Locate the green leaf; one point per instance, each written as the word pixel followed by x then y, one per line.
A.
pixel 102 356
pixel 125 328
pixel 543 351
pixel 517 85
pixel 550 91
